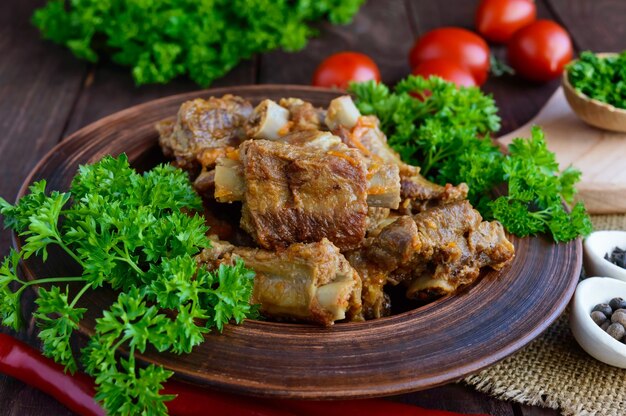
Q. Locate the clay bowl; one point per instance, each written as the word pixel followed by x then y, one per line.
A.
pixel 591 111
pixel 412 350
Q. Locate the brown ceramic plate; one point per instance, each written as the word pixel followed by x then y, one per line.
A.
pixel 425 347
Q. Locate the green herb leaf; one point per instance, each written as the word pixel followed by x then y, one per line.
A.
pixel 161 40
pixel 602 78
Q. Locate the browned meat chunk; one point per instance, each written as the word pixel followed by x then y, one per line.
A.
pixel 203 126
pixel 299 194
pixel 439 250
pixel 310 282
pixel 419 194
pixel 302 114
pixel 375 302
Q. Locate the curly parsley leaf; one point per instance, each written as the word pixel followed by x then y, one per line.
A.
pixel 138 234
pixel 57 319
pixel 602 78
pixel 536 190
pixel 10 312
pixel 161 40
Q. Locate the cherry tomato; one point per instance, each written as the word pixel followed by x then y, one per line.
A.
pixel 340 68
pixel 540 50
pixel 462 46
pixel 497 20
pixel 446 69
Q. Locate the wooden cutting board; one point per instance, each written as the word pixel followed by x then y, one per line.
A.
pixel 599 154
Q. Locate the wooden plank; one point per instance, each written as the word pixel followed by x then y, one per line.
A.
pixel 517 98
pixel 596 25
pixel 380 30
pixel 457 398
pixel 110 88
pixel 39 83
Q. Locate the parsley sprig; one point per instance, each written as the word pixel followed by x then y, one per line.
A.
pixel 138 234
pixel 602 78
pixel 204 39
pixel 447 132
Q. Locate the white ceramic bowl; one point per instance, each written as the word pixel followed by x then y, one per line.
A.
pixel 596 246
pixel 589 335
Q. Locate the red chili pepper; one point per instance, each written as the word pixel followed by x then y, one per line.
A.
pixel 25 363
pixel 76 392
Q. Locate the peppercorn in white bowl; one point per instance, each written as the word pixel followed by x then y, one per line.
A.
pixel 591 337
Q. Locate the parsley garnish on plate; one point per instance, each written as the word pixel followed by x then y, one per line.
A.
pixel 138 234
pixel 447 132
pixel 602 78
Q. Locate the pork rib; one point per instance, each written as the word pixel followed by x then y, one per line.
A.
pixel 299 194
pixel 309 282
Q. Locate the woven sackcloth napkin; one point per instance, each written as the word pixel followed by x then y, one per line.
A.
pixel 553 371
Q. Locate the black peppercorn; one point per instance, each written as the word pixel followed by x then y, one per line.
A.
pixel 617 303
pixel 604 308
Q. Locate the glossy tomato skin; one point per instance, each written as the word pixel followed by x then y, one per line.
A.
pixel 498 20
pixel 446 69
pixel 540 50
pixel 339 69
pixel 455 44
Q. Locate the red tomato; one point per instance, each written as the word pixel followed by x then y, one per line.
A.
pixel 462 46
pixel 446 69
pixel 540 50
pixel 497 20
pixel 340 68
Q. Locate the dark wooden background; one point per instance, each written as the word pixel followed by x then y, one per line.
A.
pixel 46 94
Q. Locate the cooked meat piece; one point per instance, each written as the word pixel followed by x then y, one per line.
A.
pixel 268 121
pixel 309 282
pixel 439 250
pixel 219 252
pixel 383 178
pixel 490 245
pixel 204 125
pixel 165 128
pixel 230 184
pixel 383 185
pixel 419 194
pixel 302 114
pixel 395 245
pixel 322 140
pixel 375 302
pixel 299 194
pixel 205 183
pixel 392 246
pixel 376 216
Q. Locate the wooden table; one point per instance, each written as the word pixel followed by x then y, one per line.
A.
pixel 46 94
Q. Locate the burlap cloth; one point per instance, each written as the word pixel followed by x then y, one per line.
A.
pixel 553 371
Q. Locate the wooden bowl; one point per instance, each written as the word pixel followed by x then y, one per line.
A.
pixel 418 349
pixel 594 112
